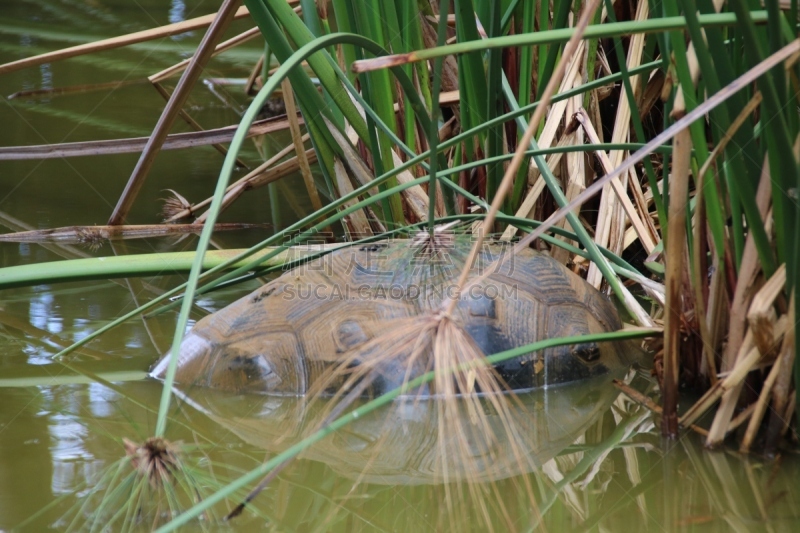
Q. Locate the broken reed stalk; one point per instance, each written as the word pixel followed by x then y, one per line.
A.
pixel 190 76
pixel 240 183
pixel 609 226
pixel 764 334
pixel 647 402
pixel 357 223
pixel 778 420
pixel 297 141
pixel 258 179
pixel 173 141
pixel 192 123
pixel 675 251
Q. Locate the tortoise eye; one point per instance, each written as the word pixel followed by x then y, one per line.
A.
pixel 587 352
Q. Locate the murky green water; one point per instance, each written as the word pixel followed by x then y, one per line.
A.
pixel 590 460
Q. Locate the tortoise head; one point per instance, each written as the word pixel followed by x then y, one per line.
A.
pixel 269 363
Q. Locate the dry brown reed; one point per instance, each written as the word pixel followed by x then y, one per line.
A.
pixel 174 107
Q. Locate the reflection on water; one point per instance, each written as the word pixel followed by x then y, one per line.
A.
pixel 610 473
pixel 409 443
pixel 593 460
pixel 177 10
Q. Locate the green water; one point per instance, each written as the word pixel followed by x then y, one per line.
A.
pixel 589 460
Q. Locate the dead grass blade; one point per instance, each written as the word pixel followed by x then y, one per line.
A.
pixel 747 358
pixel 117 42
pixel 168 72
pixel 788 53
pixel 297 141
pixel 255 72
pixel 765 333
pixel 639 226
pixel 259 178
pixel 731 386
pixel 760 407
pixel 780 416
pixel 552 125
pixel 221 21
pixel 675 253
pixel 245 182
pixel 576 169
pixel 357 223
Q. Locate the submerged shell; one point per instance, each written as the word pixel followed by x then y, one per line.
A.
pixel 282 337
pixel 403 444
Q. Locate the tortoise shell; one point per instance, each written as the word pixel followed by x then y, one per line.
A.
pixel 284 336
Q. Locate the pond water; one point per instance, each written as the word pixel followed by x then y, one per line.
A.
pixel 590 459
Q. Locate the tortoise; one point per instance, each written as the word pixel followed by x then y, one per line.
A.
pixel 284 336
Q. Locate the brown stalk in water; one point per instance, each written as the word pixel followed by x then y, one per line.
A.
pixel 192 123
pixel 221 21
pixel 136 144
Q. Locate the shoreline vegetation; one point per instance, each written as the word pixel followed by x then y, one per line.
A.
pixel 650 146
